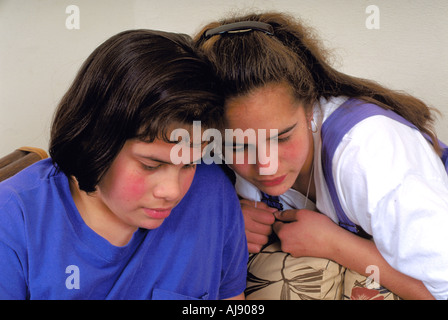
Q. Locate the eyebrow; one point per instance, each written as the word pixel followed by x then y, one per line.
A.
pixel 155 159
pixel 192 143
pixel 151 158
pixel 286 130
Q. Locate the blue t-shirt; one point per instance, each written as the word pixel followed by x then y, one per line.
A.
pixel 48 252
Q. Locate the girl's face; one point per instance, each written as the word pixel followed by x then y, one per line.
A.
pixel 272 107
pixel 142 185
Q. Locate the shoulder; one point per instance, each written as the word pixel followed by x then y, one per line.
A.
pixel 369 130
pixel 22 197
pixel 30 176
pixel 381 137
pixel 29 187
pixel 378 157
pixel 214 174
pixel 325 107
pixel 383 152
pixel 380 151
pixel 212 188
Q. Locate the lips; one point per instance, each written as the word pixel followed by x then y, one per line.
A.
pixel 272 182
pixel 157 213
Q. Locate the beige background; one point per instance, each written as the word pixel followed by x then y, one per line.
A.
pixel 39 55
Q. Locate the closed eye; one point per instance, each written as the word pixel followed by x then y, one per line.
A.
pixel 243 147
pixel 151 168
pixel 284 139
pixel 189 166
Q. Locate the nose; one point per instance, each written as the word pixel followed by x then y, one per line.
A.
pixel 267 161
pixel 267 169
pixel 168 188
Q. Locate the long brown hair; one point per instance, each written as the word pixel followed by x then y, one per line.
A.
pixel 245 61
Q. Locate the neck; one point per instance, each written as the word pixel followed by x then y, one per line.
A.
pixel 98 217
pixel 305 182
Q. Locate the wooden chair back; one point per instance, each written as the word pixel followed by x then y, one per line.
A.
pixel 20 159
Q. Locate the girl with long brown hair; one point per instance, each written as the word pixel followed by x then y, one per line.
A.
pixel 385 178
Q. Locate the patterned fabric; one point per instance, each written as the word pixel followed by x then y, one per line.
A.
pixel 276 275
pixel 355 288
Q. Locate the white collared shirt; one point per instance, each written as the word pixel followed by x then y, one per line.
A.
pixel 389 181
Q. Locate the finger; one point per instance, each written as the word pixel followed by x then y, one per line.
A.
pixel 259 228
pixel 282 230
pixel 256 240
pixel 277 226
pixel 286 216
pixel 265 218
pixel 258 215
pixel 253 248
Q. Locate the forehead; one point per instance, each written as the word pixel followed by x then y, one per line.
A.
pixel 158 146
pixel 270 107
pixel 162 151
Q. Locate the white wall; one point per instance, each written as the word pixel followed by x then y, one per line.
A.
pixel 39 55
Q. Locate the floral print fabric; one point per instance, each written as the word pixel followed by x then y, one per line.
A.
pixel 276 275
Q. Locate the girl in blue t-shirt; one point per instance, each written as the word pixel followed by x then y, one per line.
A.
pixel 111 215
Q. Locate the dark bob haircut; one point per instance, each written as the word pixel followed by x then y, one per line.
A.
pixel 136 85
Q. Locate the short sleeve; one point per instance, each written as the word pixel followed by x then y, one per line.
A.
pixel 235 254
pixel 392 183
pixel 12 249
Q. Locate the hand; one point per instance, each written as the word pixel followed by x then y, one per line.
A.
pixel 258 223
pixel 306 233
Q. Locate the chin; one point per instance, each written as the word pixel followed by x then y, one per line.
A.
pixel 277 189
pixel 274 191
pixel 152 225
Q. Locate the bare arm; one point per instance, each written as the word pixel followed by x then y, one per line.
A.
pixel 308 233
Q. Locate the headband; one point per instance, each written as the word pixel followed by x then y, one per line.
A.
pixel 238 27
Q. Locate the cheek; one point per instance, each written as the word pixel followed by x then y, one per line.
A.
pixel 133 188
pixel 125 186
pixel 294 152
pixel 289 154
pixel 186 180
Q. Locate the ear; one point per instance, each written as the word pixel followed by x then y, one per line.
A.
pixel 312 125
